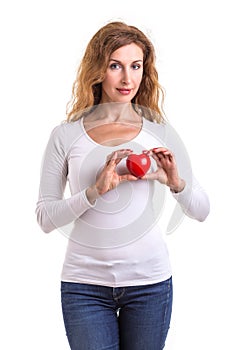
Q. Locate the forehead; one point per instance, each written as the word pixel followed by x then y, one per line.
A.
pixel 131 52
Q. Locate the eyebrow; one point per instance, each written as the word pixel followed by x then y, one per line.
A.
pixel 112 59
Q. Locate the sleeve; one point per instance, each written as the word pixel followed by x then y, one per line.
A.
pixel 193 200
pixel 52 209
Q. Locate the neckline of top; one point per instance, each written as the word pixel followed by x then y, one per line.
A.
pixel 101 145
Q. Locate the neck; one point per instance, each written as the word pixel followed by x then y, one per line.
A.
pixel 115 112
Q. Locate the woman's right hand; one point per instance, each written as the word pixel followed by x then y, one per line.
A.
pixel 108 178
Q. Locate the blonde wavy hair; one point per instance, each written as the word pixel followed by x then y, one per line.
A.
pixel 87 87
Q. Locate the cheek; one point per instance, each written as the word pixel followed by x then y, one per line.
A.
pixel 139 78
pixel 105 85
pixel 108 82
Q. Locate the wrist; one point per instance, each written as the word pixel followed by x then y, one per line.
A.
pixel 179 187
pixel 92 194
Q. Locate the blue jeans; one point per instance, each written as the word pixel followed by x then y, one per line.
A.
pixel 126 318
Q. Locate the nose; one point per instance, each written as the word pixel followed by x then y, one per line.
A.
pixel 126 77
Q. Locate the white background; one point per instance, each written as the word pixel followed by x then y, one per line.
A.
pixel 41 45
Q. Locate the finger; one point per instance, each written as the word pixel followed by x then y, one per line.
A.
pixel 122 153
pixel 111 160
pixel 157 159
pixel 168 157
pixel 150 176
pixel 162 152
pixel 127 177
pixel 109 157
pixel 171 158
pixel 147 152
pixel 159 149
pixel 125 150
pixel 160 155
pixel 163 155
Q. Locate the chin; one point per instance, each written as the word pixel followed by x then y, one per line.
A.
pixel 123 99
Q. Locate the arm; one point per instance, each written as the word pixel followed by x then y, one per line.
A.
pixel 52 209
pixel 186 189
pixel 193 200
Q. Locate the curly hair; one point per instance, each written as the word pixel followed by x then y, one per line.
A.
pixel 87 87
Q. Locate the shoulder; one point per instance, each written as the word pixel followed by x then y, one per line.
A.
pixel 64 135
pixel 67 131
pixel 154 128
pixel 67 128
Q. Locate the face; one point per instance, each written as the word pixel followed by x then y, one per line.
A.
pixel 124 74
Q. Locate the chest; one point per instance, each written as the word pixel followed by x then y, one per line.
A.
pixel 113 134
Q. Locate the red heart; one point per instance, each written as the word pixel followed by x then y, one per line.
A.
pixel 138 164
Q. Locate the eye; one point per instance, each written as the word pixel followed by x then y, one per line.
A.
pixel 136 66
pixel 115 66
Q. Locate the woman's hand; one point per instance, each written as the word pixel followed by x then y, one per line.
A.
pixel 109 179
pixel 167 172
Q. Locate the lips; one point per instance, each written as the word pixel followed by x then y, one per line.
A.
pixel 124 91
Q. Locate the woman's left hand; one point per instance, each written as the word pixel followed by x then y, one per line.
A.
pixel 167 172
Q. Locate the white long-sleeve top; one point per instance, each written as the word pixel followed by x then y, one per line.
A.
pixel 117 241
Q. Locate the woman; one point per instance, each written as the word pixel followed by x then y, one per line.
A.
pixel 116 281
